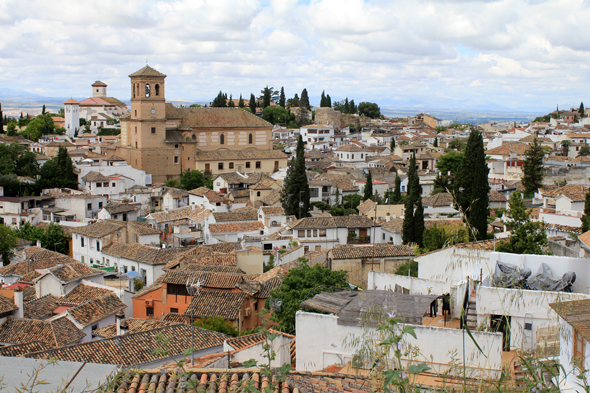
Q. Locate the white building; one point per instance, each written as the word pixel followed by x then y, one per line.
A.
pixel 84 206
pixel 72 117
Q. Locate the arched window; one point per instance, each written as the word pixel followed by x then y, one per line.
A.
pixel 222 139
pixel 176 146
pixel 147 89
pixel 133 88
pixel 194 137
pixel 137 88
pixel 157 89
pixel 250 139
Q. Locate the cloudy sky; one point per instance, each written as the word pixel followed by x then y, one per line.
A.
pixel 440 53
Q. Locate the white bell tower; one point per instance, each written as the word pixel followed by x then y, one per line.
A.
pixel 72 116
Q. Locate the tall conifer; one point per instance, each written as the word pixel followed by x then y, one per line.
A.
pixel 241 102
pixel 252 104
pixel 296 187
pixel 282 101
pixel 368 187
pixel 419 223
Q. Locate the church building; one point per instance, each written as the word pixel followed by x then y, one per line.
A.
pixel 165 141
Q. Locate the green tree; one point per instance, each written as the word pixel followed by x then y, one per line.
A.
pixel 323 100
pixel 173 183
pixel 241 102
pixel 270 264
pixel 402 270
pixel 303 282
pixel 346 106
pixel 43 110
pixel 414 189
pixel 446 235
pixel 448 166
pixel 230 102
pixel 52 237
pixel 252 104
pixel 435 142
pixel 397 194
pixel 584 151
pixel 41 125
pixel 392 144
pixel 275 115
pixel 352 108
pixel 472 181
pixel 293 102
pixel 58 172
pixel 369 109
pixel 8 241
pixel 194 179
pixel 456 144
pixel 526 236
pixel 217 324
pixel 220 101
pixel 266 96
pixel 586 216
pixel 282 101
pixel 304 101
pixel 408 234
pixel 581 110
pixel 368 187
pixel 295 193
pixel 328 101
pixel 533 175
pixel 419 223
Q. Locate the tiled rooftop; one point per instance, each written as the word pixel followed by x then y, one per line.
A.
pixel 236 227
pixel 211 303
pixel 54 333
pixel 72 272
pixel 133 325
pixel 143 253
pixel 100 229
pixel 350 251
pixel 41 308
pixel 236 216
pixel 7 305
pixel 83 293
pixel 96 309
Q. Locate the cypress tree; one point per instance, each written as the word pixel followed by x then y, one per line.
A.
pixel 473 180
pixel 295 101
pixel 397 194
pixel 532 179
pixel 414 189
pixel 351 107
pixel 586 216
pixel 304 101
pixel 392 144
pixel 346 106
pixel 328 101
pixel 43 110
pixel 581 110
pixel 323 100
pixel 252 104
pixel 266 97
pixel 435 142
pixel 241 102
pixel 419 223
pixel 368 187
pixel 230 102
pixel 282 100
pixel 296 186
pixel 408 224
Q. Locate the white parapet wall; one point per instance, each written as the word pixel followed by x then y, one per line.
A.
pixel 321 343
pixel 521 306
pixel 420 286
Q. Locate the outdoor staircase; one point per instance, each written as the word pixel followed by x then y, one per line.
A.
pixel 471 312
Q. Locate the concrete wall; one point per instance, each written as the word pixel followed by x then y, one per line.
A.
pixel 250 261
pixel 359 269
pixel 560 219
pixel 281 345
pixel 453 264
pixel 321 342
pixel 379 280
pixel 521 305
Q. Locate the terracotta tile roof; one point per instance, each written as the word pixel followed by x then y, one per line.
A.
pixel 37 258
pixel 137 348
pixel 201 191
pixel 349 251
pixel 350 148
pixel 272 198
pixel 204 255
pixel 236 216
pixel 496 196
pixel 245 193
pixel 235 379
pixel 133 325
pixel 143 253
pixel 72 272
pixel 193 212
pixel 20 350
pixel 366 206
pixel 208 279
pixel 438 200
pixel 143 228
pixel 176 193
pixel 41 308
pixel 150 288
pixel 212 303
pixel 114 101
pixel 570 191
pixel 95 176
pixel 29 277
pixel 100 229
pixel 319 221
pixel 264 184
pixel 56 333
pixel 193 267
pixel 116 208
pixel 29 294
pixel 7 305
pixel 147 71
pixel 236 227
pixel 509 147
pixel 83 293
pixel 272 211
pixel 96 309
pixel 576 313
pixel 172 317
pixel 243 342
pixel 244 178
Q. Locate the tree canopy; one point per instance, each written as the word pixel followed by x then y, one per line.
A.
pixel 368 187
pixel 8 241
pixel 298 285
pixel 52 237
pixel 59 172
pixel 526 236
pixel 295 193
pixel 448 165
pixel 533 176
pixel 194 179
pixel 220 101
pixel 369 109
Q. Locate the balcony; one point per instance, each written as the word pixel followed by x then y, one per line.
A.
pixel 358 240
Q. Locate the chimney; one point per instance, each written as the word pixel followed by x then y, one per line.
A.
pixel 119 317
pixel 19 302
pixel 38 243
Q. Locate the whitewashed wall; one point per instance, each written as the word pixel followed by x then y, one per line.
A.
pixel 385 281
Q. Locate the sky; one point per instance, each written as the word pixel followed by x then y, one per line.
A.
pixel 521 55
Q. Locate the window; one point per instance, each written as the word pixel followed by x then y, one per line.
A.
pixel 98 185
pixel 97 245
pixel 315 233
pixel 136 148
pixel 143 273
pixel 258 164
pixel 220 165
pixel 149 311
pixel 108 262
pixel 247 164
pixel 313 192
pixel 89 206
pixel 113 185
pixel 147 89
pixel 222 139
pixel 94 329
pixel 124 268
pixel 100 205
pixel 194 137
pixel 257 193
pixel 383 236
pixel 309 233
pixel 250 139
pixel 176 159
pixel 91 261
pixel 301 233
pixel 82 259
pixel 176 146
pixel 267 246
pixel 136 130
pixel 81 241
pixel 322 233
pixel 174 310
pixel 157 89
pixel 132 268
pixel 136 113
pixel 231 165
